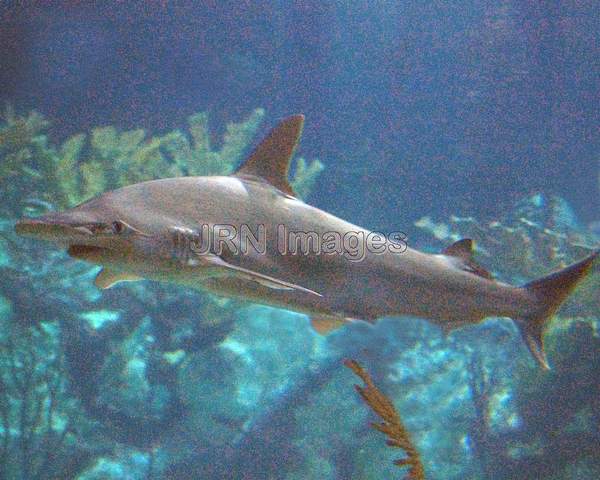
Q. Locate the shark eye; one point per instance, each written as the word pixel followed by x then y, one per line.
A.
pixel 118 227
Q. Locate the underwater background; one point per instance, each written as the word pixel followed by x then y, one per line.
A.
pixel 446 120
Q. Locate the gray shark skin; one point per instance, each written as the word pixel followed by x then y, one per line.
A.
pixel 131 232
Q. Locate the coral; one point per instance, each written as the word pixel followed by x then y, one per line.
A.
pixel 558 410
pixel 541 234
pixel 198 157
pixel 39 433
pixel 125 385
pixel 305 175
pixel 36 174
pixel 561 407
pixel 18 132
pixel 115 346
pixel 392 427
pixel 482 385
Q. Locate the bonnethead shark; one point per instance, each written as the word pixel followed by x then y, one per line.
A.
pixel 161 230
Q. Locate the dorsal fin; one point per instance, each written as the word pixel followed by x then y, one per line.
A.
pixel 463 251
pixel 270 160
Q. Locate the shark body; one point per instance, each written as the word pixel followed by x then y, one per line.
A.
pixel 146 231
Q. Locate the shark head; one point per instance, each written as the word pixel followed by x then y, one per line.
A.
pixel 150 229
pixel 99 233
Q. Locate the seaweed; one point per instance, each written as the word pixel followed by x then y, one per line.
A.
pixel 392 427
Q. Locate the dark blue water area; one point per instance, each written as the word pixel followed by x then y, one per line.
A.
pixel 415 107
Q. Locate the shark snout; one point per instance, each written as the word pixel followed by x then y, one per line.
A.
pixel 57 227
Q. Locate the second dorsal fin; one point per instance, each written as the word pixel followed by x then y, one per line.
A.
pixel 463 251
pixel 270 160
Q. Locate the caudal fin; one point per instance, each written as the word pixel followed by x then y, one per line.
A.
pixel 550 291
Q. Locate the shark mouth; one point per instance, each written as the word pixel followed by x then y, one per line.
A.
pixel 85 251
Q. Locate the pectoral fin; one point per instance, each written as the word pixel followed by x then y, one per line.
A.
pixel 107 278
pixel 448 327
pixel 265 280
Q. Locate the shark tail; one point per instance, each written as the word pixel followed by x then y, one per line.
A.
pixel 550 292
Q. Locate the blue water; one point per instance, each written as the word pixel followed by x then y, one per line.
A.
pixel 487 111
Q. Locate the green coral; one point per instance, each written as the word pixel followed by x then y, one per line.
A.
pixel 33 172
pixel 305 175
